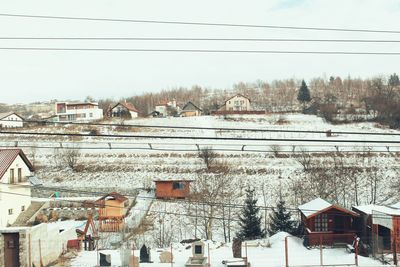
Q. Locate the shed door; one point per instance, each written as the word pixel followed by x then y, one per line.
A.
pixel 11 250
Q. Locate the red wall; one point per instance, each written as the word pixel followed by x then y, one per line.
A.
pixel 164 189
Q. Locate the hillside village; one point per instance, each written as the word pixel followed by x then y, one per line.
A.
pixel 89 184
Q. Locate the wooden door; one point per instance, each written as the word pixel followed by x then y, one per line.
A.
pixel 11 250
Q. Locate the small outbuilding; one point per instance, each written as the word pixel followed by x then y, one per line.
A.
pixel 190 110
pixel 112 211
pixel 172 189
pixel 327 224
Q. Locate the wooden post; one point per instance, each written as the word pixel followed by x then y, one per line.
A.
pixel 209 257
pixel 30 250
pixel 172 257
pixel 286 252
pixel 320 250
pixel 394 248
pixel 356 251
pixel 40 254
pixel 247 259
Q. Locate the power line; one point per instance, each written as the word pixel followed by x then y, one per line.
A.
pixel 201 39
pixel 199 51
pixel 178 201
pixel 203 128
pixel 200 137
pixel 195 23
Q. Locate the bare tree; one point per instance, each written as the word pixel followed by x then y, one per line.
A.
pixel 71 156
pixel 208 156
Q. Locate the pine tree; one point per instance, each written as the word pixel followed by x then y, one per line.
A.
pixel 281 220
pixel 304 94
pixel 250 220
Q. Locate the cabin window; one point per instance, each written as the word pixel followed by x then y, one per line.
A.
pixel 10 211
pixel 19 174
pixel 321 223
pixel 198 249
pixel 12 176
pixel 178 185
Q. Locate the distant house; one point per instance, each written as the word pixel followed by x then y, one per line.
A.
pixel 165 107
pixel 112 211
pixel 327 223
pixel 236 103
pixel 124 110
pixel 15 195
pixel 378 225
pixel 190 110
pixel 11 120
pixel 172 189
pixel 77 111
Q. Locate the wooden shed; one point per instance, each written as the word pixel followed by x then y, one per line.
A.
pixel 112 210
pixel 379 227
pixel 172 189
pixel 327 224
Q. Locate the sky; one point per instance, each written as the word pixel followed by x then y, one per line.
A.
pixel 27 76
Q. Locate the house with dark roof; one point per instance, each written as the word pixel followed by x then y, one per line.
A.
pixel 190 110
pixel 327 224
pixel 124 110
pixel 15 195
pixel 11 120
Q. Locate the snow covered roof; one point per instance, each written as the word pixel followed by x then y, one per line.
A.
pixel 314 206
pixel 368 209
pixel 319 205
pixel 396 205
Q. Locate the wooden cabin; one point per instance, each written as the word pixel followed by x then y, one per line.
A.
pixel 327 224
pixel 112 211
pixel 172 189
pixel 379 226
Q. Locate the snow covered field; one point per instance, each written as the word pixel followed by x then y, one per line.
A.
pixel 259 255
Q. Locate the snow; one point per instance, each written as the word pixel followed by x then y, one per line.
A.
pixel 259 256
pixel 368 209
pixel 314 206
pixel 66 225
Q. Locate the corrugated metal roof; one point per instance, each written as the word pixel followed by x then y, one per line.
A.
pixel 7 157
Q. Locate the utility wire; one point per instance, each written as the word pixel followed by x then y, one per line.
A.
pixel 202 128
pixel 195 23
pixel 200 51
pixel 201 39
pixel 200 137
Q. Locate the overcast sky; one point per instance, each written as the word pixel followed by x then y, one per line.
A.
pixel 28 76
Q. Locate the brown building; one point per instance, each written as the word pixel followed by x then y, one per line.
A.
pixel 112 211
pixel 172 188
pixel 190 110
pixel 325 223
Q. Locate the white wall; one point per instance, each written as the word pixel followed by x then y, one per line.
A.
pixel 14 196
pixel 52 242
pixel 90 114
pixel 238 103
pixel 11 121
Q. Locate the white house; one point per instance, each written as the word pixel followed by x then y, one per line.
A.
pixel 236 103
pixel 11 120
pixel 84 111
pixel 15 192
pixel 163 107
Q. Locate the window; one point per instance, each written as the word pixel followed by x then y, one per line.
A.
pixel 321 223
pixel 178 185
pixel 12 177
pixel 22 208
pixel 10 211
pixel 198 249
pixel 19 175
pixel 90 114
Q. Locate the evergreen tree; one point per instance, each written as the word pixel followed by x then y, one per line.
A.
pixel 394 80
pixel 304 94
pixel 281 220
pixel 250 220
